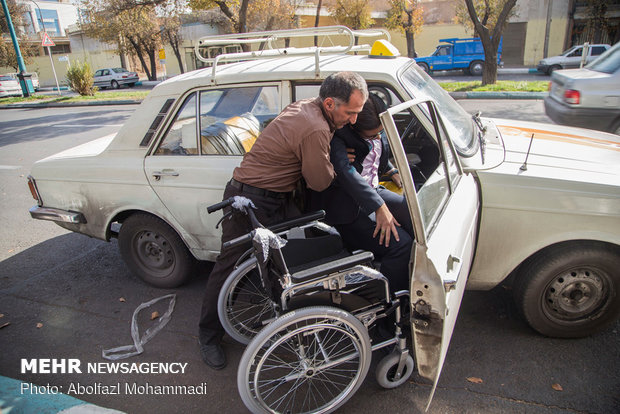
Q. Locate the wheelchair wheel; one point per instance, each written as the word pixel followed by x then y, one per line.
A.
pixel 387 367
pixel 243 305
pixel 310 360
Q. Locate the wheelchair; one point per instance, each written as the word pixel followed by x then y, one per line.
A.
pixel 310 314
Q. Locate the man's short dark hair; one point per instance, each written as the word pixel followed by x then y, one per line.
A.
pixel 340 86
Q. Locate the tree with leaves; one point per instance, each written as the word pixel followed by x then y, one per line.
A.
pixel 29 50
pixel 170 21
pixel 598 21
pixel 406 17
pixel 134 30
pixel 488 18
pixel 354 14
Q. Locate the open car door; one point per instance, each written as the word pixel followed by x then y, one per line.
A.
pixel 444 203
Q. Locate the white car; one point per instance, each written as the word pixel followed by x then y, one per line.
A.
pixel 588 97
pixel 492 200
pixel 9 86
pixel 114 78
pixel 571 58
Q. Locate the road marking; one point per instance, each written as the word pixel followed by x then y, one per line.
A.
pixel 10 167
pixel 87 126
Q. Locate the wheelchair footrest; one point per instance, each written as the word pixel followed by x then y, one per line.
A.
pixel 332 266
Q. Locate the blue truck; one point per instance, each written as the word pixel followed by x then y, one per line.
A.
pixel 458 54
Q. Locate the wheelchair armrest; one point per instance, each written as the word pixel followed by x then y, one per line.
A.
pixel 297 221
pixel 333 266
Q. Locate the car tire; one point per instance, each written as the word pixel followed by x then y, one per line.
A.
pixel 570 291
pixel 553 68
pixel 114 85
pixel 154 251
pixel 424 67
pixel 476 67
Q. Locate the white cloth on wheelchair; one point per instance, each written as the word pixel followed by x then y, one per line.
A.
pixel 241 202
pixel 268 239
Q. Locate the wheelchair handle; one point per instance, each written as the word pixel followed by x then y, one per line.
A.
pixel 220 205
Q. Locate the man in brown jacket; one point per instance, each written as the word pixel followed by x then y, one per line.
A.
pixel 294 145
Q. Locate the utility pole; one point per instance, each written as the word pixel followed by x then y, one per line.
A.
pixel 18 53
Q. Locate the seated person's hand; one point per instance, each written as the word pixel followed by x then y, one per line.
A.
pixel 351 155
pixel 396 180
pixel 386 225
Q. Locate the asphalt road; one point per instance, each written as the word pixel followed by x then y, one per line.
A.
pixel 64 295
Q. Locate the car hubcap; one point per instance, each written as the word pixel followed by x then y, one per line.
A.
pixel 154 251
pixel 576 295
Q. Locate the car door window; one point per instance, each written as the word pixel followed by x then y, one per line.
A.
pixel 181 136
pixel 597 50
pixel 433 166
pixel 576 53
pixel 221 121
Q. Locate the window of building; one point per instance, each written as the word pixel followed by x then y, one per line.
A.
pixel 59 49
pixel 48 21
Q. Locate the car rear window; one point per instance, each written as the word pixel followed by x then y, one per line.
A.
pixel 608 62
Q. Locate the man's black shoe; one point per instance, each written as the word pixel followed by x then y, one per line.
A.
pixel 213 355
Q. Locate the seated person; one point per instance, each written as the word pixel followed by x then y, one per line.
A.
pixel 366 215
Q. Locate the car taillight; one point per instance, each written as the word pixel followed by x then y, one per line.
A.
pixel 571 96
pixel 34 191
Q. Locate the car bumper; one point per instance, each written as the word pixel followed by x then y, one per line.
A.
pixel 54 214
pixel 592 118
pixel 127 81
pixel 542 68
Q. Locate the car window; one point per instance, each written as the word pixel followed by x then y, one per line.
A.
pixel 433 165
pixel 608 62
pixel 228 120
pixel 181 136
pixel 120 70
pixel 575 53
pixel 597 50
pixel 458 122
pixel 98 73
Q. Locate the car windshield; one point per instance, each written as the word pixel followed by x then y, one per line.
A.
pixel 458 122
pixel 120 70
pixel 608 62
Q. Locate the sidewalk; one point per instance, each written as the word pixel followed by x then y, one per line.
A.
pixel 20 397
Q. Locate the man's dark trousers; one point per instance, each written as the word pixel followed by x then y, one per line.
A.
pixel 269 210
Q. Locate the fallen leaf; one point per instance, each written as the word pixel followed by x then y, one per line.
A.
pixel 39 325
pixel 121 299
pixel 475 380
pixel 154 315
pixel 557 387
pixel 6 324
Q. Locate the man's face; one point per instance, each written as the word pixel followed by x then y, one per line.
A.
pixel 342 113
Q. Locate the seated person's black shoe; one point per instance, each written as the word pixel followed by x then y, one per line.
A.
pixel 213 355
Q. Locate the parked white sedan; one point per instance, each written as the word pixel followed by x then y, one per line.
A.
pixel 115 78
pixel 492 200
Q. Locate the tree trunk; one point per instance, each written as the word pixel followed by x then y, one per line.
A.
pixel 138 50
pixel 174 43
pixel 152 52
pixel 316 20
pixel 410 44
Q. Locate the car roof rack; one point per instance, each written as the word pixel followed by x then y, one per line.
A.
pixel 269 49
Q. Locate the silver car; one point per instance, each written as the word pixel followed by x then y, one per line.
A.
pixel 588 97
pixel 571 58
pixel 115 78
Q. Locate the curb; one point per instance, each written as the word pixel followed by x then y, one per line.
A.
pixel 69 104
pixel 517 70
pixel 498 95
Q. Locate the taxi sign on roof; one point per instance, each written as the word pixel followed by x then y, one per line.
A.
pixel 47 40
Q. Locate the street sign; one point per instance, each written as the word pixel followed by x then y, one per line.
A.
pixel 63 58
pixel 47 40
pixel 162 54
